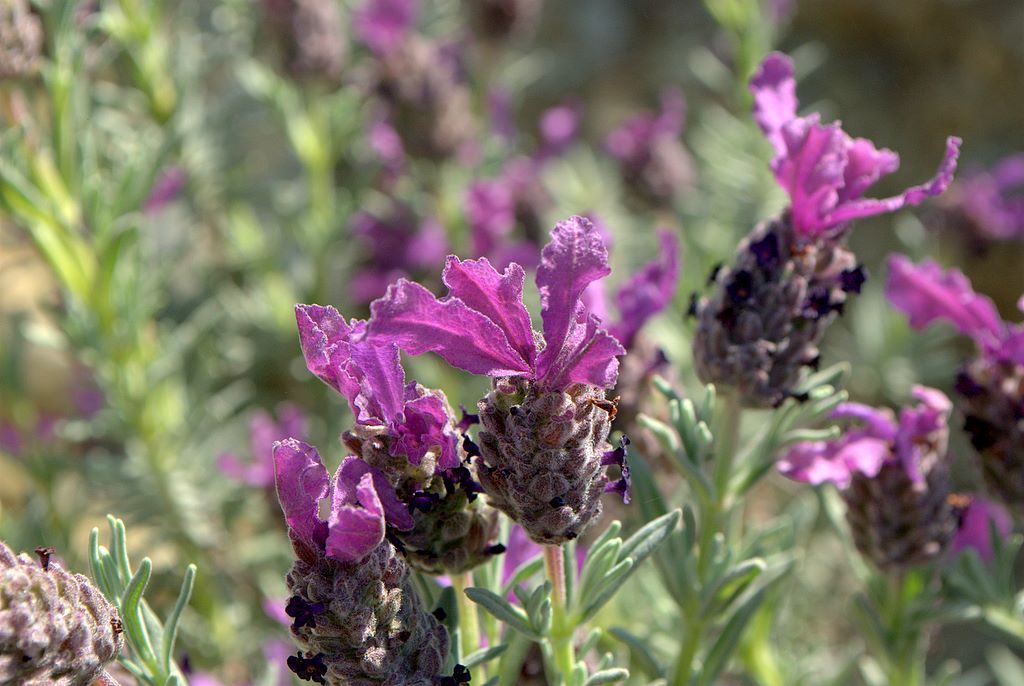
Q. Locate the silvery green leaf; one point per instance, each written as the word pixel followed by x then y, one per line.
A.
pixel 1007 667
pixel 607 676
pixel 589 642
pixel 725 589
pixel 640 652
pixel 538 608
pixel 606 588
pixel 725 645
pixel 599 560
pixel 483 655
pixel 170 631
pixel 503 611
pixel 610 531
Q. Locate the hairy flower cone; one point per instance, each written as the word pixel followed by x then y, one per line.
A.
pixel 55 627
pixel 897 523
pixel 21 39
pixel 541 455
pixel 453 532
pixel 374 630
pixel 769 310
pixel 992 398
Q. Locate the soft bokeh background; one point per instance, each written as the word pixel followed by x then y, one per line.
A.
pixel 215 186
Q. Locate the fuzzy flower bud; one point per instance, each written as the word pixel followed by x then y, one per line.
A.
pixel 894 474
pixel 762 323
pixel 21 39
pixel 55 627
pixel 545 423
pixel 357 617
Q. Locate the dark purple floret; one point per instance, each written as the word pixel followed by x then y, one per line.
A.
pixel 983 434
pixel 467 420
pixel 713 275
pixel 439 614
pixel 471 448
pixel 851 280
pixel 618 457
pixel 309 668
pixel 303 611
pixel 766 251
pixel 691 309
pixel 45 553
pixel 819 304
pixel 966 386
pixel 496 549
pixel 423 501
pixel 741 287
pixel 460 677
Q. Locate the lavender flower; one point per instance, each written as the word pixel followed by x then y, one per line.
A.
pixel 370 624
pixel 990 387
pixel 987 205
pixel 978 516
pixel 407 432
pixel 894 475
pixel 791 276
pixel 384 24
pixel 652 160
pixel 312 36
pixel 21 40
pixel 546 421
pixel 496 207
pixel 55 627
pixel 264 431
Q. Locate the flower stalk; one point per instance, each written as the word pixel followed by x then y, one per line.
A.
pixel 561 626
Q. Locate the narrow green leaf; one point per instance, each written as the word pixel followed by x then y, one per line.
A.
pixel 725 645
pixel 640 653
pixel 647 538
pixel 589 642
pixel 119 539
pixel 611 583
pixel 131 615
pixel 607 676
pixel 171 625
pixel 483 655
pixel 503 611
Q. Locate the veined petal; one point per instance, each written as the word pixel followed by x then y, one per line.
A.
pixel 575 257
pixel 381 380
pixel 648 291
pixel 347 480
pixel 412 317
pixel 865 164
pixel 912 196
pixel 324 337
pixel 355 528
pixel 302 483
pixel 499 297
pixel 427 426
pixel 925 292
pixel 775 103
pixel 811 170
pixel 588 355
pixel 880 423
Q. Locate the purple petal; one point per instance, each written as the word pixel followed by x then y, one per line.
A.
pixel 648 292
pixel 418 322
pixel 165 189
pixel 922 424
pixel 587 356
pixel 559 125
pixel 384 24
pixel 302 482
pixel 346 492
pixel 880 423
pixel 811 170
pixel 912 196
pixel 355 530
pixel 575 257
pixel 499 297
pixel 865 164
pixel 382 380
pixel 427 426
pixel 817 462
pixel 324 338
pixel 976 523
pixel 775 103
pixel 925 293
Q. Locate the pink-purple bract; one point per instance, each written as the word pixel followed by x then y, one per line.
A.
pixel 483 327
pixel 384 24
pixel 264 430
pixel 824 170
pixel 976 527
pixel 877 438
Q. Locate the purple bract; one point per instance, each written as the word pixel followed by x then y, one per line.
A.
pixel 824 170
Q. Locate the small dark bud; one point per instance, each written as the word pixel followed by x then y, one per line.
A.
pixel 496 549
pixel 439 614
pixel 714 273
pixel 471 448
pixel 766 251
pixel 691 309
pixel 44 554
pixel 851 280
pixel 303 612
pixel 309 668
pixel 557 501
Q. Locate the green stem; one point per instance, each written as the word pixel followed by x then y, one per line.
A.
pixel 687 653
pixel 905 662
pixel 727 432
pixel 1005 623
pixel 561 631
pixel 469 622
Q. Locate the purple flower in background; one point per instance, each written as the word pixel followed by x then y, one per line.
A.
pixel 496 207
pixel 361 502
pixel 384 24
pixel 11 440
pixel 877 439
pixel 926 293
pixel 399 245
pixel 370 376
pixel 499 109
pixel 824 170
pixel 387 144
pixel 646 293
pixel 264 431
pixel 166 188
pixel 977 519
pixel 558 128
pixel 483 327
pixel 651 158
pixel 988 204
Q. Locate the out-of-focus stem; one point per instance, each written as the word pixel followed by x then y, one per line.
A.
pixel 561 632
pixel 469 623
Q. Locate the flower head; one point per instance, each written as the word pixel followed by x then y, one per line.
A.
pixel 824 170
pixel 397 245
pixel 877 439
pixel 988 204
pixel 483 327
pixel 362 503
pixel 978 517
pixel 384 24
pixel 264 430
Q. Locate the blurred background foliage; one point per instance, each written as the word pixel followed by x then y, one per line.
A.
pixel 175 176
